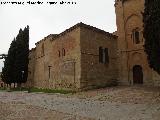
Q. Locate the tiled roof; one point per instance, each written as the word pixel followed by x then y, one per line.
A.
pixel 85 26
pixel 54 36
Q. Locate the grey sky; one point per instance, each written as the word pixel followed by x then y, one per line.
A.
pixel 48 19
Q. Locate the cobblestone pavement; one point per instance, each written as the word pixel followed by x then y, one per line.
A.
pixel 117 103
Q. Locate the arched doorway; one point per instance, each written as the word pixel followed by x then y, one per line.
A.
pixel 137 74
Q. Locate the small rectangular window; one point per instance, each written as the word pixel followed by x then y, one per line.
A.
pixel 100 55
pixel 63 52
pixel 103 55
pixel 106 55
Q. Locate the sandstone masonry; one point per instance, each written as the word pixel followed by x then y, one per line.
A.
pixel 133 63
pixel 70 60
pixel 84 57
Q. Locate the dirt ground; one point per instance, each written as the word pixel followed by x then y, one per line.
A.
pixel 124 94
pixel 21 111
pixel 115 103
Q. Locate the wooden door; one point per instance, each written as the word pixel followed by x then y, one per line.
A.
pixel 137 74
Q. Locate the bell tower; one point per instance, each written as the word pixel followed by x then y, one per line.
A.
pixel 131 53
pixel 122 44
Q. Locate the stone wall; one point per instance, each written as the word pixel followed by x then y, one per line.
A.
pixel 31 68
pixel 42 58
pixel 70 60
pixel 94 73
pixel 66 68
pixel 49 68
pixel 129 17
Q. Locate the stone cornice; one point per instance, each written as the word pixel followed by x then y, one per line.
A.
pixel 49 36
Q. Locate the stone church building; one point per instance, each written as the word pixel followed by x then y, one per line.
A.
pixel 133 65
pixel 85 57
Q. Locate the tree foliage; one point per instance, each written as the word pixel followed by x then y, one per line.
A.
pixel 16 64
pixel 151 20
pixel 9 64
pixel 21 60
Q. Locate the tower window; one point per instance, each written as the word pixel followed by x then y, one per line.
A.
pixel 136 36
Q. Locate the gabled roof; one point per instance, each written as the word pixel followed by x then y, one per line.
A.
pixel 54 36
pixel 84 26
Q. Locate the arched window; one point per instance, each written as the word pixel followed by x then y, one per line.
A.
pixel 63 52
pixel 136 36
pixel 137 40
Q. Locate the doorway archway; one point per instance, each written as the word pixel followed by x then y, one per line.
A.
pixel 137 74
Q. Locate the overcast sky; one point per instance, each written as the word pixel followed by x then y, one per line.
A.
pixel 48 19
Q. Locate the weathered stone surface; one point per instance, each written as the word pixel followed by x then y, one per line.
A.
pixel 79 67
pixel 70 60
pixel 129 17
pixel 94 73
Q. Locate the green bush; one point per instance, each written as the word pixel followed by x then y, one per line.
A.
pixel 2 88
pixel 61 91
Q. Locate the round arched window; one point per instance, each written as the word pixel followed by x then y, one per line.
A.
pixel 136 36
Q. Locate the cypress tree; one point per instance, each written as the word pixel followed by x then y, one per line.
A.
pixel 151 20
pixel 22 54
pixel 25 53
pixel 9 64
pixel 5 72
pixel 18 67
pixel 11 61
pixel 16 63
